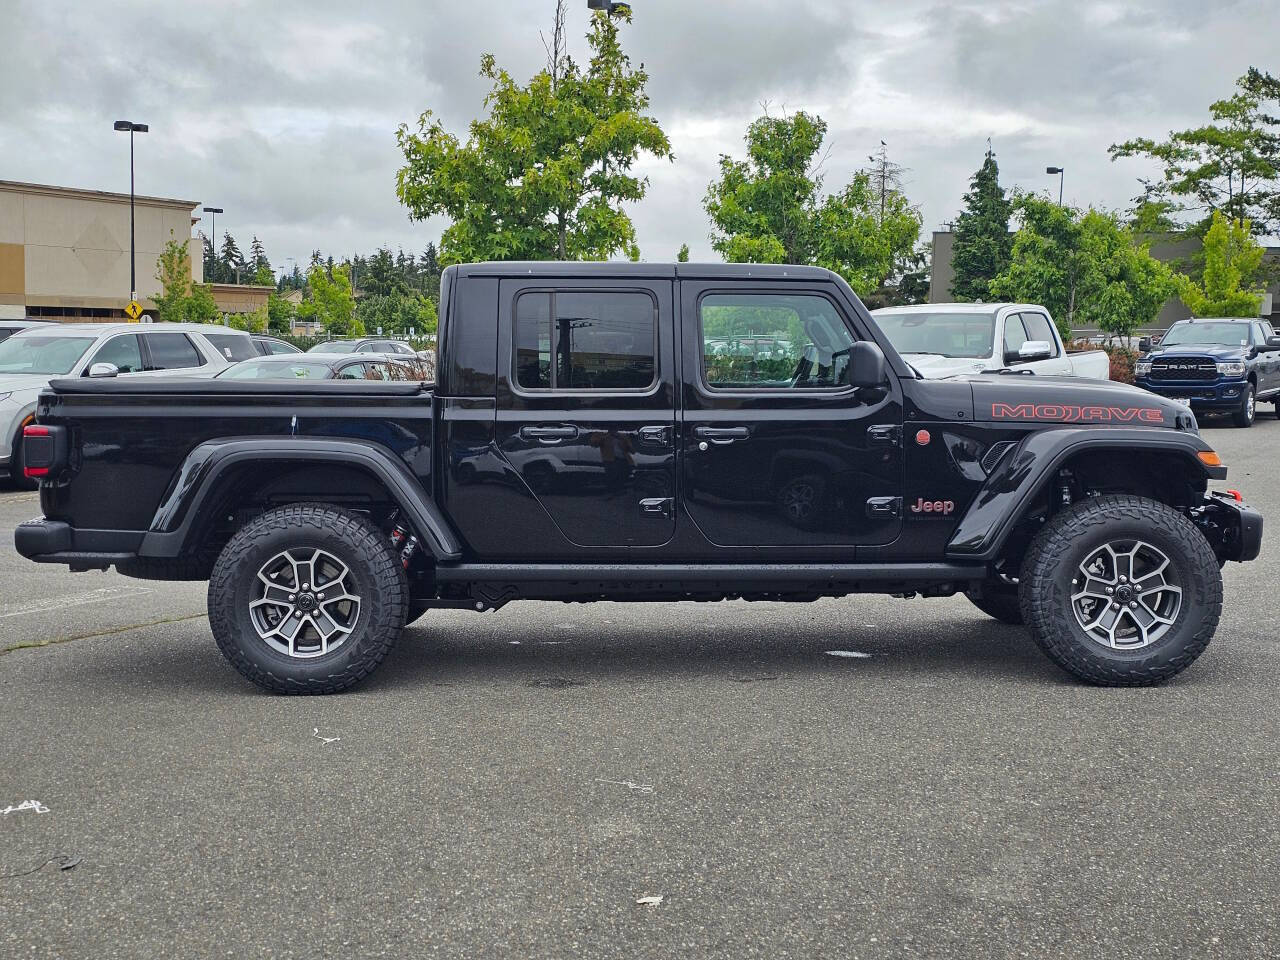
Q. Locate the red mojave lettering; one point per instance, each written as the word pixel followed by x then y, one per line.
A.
pixel 1067 413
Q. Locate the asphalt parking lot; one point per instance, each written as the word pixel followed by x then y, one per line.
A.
pixel 510 784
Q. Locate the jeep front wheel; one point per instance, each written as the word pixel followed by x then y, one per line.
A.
pixel 307 598
pixel 1121 591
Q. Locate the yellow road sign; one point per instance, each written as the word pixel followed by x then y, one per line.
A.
pixel 133 310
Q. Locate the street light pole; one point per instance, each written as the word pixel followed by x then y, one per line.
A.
pixel 214 211
pixel 1061 174
pixel 132 128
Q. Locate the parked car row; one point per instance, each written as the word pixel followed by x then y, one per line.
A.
pixel 32 353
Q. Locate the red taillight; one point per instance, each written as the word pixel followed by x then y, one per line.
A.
pixel 1235 494
pixel 43 452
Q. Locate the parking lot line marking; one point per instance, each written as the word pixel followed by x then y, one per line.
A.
pixel 75 600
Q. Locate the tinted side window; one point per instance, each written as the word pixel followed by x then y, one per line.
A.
pixel 122 351
pixel 1014 337
pixel 231 347
pixel 585 341
pixel 773 342
pixel 6 333
pixel 172 351
pixel 1037 327
pixel 376 370
pixel 353 371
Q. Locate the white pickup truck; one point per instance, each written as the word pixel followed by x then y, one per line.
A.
pixel 951 339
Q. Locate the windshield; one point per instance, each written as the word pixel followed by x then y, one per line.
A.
pixel 963 335
pixel 267 370
pixel 51 356
pixel 334 346
pixel 1214 334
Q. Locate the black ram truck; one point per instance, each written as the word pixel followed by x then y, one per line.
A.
pixel 643 432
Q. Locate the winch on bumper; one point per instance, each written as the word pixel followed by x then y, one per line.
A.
pixel 1232 527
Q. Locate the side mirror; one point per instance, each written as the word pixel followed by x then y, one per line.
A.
pixel 1144 345
pixel 99 370
pixel 1035 350
pixel 867 365
pixel 1273 343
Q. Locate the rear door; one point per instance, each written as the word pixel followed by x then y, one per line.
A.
pixel 778 450
pixel 586 407
pixel 175 355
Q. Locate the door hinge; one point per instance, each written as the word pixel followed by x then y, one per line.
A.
pixel 884 435
pixel 657 507
pixel 880 507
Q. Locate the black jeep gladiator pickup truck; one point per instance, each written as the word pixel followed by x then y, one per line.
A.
pixel 643 432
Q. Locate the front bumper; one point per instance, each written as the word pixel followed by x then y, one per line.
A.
pixel 1204 395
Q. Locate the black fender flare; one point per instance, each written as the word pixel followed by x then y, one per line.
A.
pixel 204 468
pixel 1009 489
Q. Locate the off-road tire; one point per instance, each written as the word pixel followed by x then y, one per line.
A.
pixel 1248 411
pixel 1052 563
pixel 1276 408
pixel 999 601
pixel 376 571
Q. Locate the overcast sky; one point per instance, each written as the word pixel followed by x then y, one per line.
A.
pixel 284 112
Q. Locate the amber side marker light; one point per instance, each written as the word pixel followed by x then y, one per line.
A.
pixel 1209 458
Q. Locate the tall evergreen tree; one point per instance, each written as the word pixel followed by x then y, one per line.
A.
pixel 982 240
pixel 232 260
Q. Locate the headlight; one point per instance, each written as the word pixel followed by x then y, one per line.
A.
pixel 1142 368
pixel 1232 368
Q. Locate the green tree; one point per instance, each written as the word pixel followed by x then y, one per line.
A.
pixel 1231 164
pixel 382 278
pixel 683 255
pixel 398 313
pixel 1231 256
pixel 982 241
pixel 329 302
pixel 181 300
pixel 1085 267
pixel 280 314
pixel 546 173
pixel 770 208
pixel 231 260
pixel 255 321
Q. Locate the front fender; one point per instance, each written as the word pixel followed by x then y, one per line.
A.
pixel 1013 485
pixel 197 482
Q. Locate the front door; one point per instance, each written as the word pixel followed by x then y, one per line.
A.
pixel 586 408
pixel 778 450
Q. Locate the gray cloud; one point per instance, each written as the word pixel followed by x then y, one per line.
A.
pixel 284 113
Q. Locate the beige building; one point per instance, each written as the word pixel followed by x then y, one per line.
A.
pixel 64 253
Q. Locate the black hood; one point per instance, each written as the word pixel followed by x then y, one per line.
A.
pixel 1035 399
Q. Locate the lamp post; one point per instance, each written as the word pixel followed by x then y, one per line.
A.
pixel 610 7
pixel 214 211
pixel 1060 173
pixel 131 128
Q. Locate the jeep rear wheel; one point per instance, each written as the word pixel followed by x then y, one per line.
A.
pixel 307 598
pixel 1121 591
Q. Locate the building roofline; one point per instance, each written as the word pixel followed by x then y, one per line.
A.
pixel 17 186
